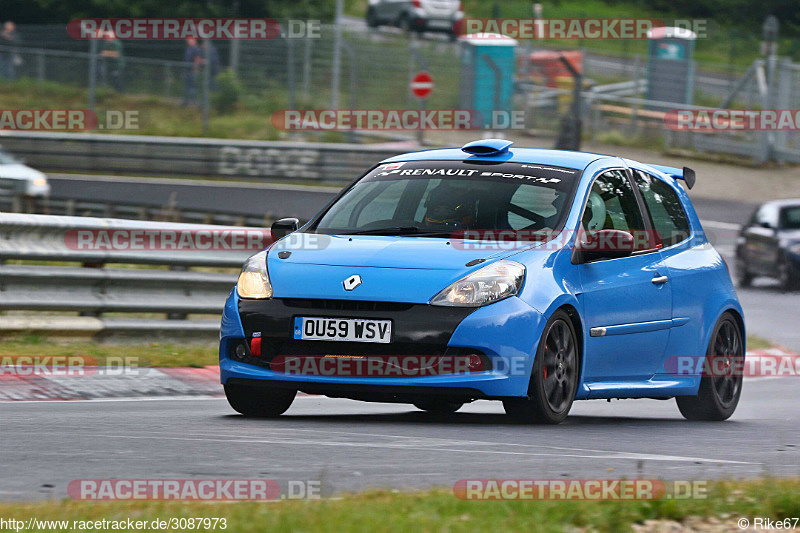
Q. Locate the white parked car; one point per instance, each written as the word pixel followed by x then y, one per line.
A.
pixel 415 15
pixel 19 178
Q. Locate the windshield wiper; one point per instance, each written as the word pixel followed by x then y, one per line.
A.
pixel 397 230
pixel 401 230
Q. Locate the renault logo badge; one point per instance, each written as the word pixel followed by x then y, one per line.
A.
pixel 352 282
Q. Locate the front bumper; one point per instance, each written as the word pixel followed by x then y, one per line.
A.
pixel 441 21
pixel 505 333
pixel 793 255
pixel 434 24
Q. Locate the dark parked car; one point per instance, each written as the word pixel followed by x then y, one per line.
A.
pixel 769 244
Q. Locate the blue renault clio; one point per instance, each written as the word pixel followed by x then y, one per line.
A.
pixel 533 277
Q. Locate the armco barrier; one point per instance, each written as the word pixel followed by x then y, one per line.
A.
pixel 195 157
pixel 93 289
pixel 187 200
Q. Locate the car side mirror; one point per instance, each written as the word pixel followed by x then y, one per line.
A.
pixel 766 225
pixel 283 227
pixel 603 244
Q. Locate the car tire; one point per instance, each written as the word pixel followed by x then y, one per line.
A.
pixel 438 407
pixel 787 276
pixel 744 278
pixel 372 19
pixel 718 396
pixel 259 402
pixel 554 378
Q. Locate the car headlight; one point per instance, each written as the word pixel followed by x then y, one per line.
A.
pixel 254 281
pixel 491 283
pixel 795 248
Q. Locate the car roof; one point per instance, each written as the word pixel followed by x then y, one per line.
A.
pixel 540 156
pixel 783 203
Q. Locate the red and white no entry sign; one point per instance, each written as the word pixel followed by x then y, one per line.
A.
pixel 422 85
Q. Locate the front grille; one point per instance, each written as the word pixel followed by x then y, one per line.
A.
pixel 301 347
pixel 346 305
pixel 417 329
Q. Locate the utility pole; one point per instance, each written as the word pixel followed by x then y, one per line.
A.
pixel 769 48
pixel 337 55
pixel 92 73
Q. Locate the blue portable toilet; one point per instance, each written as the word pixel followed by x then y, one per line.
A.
pixel 487 73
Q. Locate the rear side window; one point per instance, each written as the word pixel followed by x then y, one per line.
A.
pixel 666 211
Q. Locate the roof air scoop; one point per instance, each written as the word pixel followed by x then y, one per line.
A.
pixel 487 147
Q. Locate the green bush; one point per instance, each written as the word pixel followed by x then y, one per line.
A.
pixel 226 96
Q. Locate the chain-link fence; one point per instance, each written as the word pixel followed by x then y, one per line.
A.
pixel 376 68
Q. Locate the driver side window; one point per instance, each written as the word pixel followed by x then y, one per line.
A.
pixel 612 205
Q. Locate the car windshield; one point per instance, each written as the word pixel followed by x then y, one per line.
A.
pixel 790 217
pixel 439 198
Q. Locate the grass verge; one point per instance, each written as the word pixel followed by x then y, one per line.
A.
pixel 758 343
pixel 150 354
pixel 157 116
pixel 440 510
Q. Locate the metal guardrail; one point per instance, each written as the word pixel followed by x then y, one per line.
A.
pixel 177 200
pixel 104 290
pixel 194 157
pixel 94 289
pixel 44 238
pixel 12 192
pixel 625 88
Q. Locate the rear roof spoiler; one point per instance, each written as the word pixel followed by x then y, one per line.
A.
pixel 687 174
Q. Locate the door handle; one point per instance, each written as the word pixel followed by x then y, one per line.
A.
pixel 660 280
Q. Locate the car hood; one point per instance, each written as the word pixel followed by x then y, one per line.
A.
pixel 790 236
pixel 26 180
pixel 396 269
pixel 19 171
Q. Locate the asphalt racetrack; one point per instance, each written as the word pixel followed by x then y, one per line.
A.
pixel 349 445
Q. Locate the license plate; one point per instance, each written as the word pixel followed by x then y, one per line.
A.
pixel 437 23
pixel 342 329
